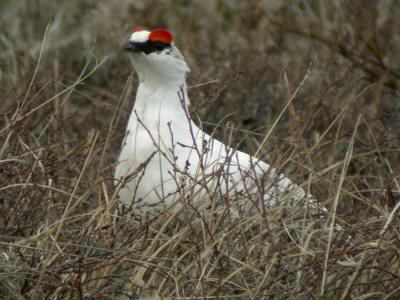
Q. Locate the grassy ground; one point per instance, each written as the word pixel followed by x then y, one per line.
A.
pixel 66 90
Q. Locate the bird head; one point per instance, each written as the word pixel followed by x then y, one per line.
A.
pixel 155 55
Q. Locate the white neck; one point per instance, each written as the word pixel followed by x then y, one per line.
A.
pixel 159 101
pixel 162 93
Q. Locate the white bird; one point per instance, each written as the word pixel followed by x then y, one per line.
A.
pixel 166 157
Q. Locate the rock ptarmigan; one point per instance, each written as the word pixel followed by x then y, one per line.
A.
pixel 167 158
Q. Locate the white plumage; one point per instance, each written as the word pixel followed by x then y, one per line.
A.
pixel 166 157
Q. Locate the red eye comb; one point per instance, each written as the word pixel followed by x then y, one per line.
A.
pixel 161 35
pixel 138 28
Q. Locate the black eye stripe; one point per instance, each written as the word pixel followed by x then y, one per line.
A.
pixel 149 46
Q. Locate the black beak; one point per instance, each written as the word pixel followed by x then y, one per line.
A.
pixel 130 46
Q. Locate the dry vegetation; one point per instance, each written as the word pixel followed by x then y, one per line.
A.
pixel 66 90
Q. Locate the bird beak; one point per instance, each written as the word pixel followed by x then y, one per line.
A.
pixel 130 46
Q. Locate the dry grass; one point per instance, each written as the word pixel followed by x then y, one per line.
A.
pixel 66 90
